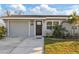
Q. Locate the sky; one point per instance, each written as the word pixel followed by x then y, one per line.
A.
pixel 41 9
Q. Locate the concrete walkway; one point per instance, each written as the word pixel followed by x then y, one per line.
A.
pixel 29 46
pixel 21 46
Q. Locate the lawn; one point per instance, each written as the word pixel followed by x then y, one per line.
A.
pixel 61 46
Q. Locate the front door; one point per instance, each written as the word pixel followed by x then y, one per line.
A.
pixel 38 27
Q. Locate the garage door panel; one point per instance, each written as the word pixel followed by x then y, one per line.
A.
pixel 18 28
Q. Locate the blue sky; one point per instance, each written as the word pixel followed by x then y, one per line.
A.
pixel 41 9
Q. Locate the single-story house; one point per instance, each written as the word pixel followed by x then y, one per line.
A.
pixel 31 25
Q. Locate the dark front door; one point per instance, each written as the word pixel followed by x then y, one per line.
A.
pixel 38 27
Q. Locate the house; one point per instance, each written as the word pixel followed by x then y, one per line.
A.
pixel 32 25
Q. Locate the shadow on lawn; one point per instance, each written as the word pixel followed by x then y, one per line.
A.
pixel 56 40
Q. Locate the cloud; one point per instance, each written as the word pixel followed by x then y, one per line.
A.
pixel 43 9
pixel 18 7
pixel 74 7
pixel 12 8
pixel 71 9
pixel 47 10
pixel 0 7
pixel 35 10
pixel 1 11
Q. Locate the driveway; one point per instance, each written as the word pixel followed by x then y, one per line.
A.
pixel 21 46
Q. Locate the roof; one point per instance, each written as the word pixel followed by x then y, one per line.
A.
pixel 37 16
pixel 51 17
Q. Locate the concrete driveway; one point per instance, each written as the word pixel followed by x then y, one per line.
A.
pixel 21 46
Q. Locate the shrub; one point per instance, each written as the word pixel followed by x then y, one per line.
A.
pixel 2 32
pixel 59 31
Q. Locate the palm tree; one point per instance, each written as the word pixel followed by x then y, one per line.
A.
pixel 72 20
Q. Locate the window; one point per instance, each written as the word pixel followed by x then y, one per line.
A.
pixel 49 25
pixel 55 23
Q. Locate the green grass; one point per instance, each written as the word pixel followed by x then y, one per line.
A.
pixel 61 46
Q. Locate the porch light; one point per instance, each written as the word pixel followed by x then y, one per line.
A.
pixel 38 23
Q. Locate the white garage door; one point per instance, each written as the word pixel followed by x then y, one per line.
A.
pixel 18 28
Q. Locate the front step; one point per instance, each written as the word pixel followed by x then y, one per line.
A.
pixel 38 37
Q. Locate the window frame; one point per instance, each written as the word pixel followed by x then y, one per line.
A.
pixel 52 24
pixel 55 22
pixel 49 25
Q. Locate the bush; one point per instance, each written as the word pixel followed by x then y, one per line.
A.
pixel 2 32
pixel 59 31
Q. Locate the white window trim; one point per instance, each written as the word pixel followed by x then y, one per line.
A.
pixel 49 25
pixel 52 22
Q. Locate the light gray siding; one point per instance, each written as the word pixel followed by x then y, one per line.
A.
pixel 32 28
pixel 21 26
pixel 48 31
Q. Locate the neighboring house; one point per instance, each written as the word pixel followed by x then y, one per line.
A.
pixel 31 25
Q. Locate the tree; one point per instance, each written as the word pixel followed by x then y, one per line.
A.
pixel 8 13
pixel 72 20
pixel 11 12
pixel 5 12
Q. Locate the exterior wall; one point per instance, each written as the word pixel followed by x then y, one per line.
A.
pixel 69 28
pixel 7 26
pixel 32 28
pixel 77 31
pixel 25 28
pixel 50 31
pixel 65 25
pixel 22 27
pixel 43 28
